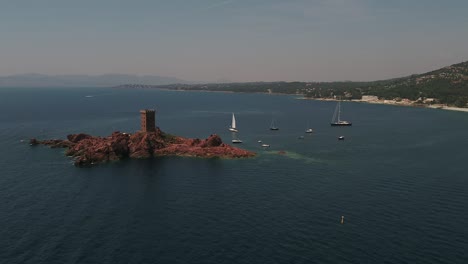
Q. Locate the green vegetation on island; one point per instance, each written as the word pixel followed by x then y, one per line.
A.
pixel 448 85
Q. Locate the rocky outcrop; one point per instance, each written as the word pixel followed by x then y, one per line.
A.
pixel 213 146
pixel 77 137
pixel 90 150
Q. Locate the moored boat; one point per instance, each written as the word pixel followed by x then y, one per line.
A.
pixel 336 119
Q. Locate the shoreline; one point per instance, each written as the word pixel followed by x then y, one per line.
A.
pixel 208 91
pixel 394 103
pixel 381 102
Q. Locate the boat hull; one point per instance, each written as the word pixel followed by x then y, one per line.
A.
pixel 233 130
pixel 341 124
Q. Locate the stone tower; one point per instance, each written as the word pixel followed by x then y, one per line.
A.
pixel 148 123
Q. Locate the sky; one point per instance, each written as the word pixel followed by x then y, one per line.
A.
pixel 233 40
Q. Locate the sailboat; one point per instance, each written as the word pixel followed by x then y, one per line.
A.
pixel 235 139
pixel 336 121
pixel 233 127
pixel 273 125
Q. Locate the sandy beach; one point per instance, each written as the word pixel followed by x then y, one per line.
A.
pixel 391 102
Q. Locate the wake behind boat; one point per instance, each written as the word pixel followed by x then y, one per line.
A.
pixel 336 121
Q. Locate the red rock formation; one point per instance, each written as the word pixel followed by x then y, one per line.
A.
pixel 77 137
pixel 89 150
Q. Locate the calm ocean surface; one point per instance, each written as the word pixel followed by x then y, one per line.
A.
pixel 400 179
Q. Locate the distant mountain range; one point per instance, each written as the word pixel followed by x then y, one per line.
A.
pixel 106 80
pixel 448 85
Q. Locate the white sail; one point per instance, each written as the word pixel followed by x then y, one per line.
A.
pixel 233 124
pixel 233 127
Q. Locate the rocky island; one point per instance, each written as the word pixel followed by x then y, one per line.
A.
pixel 149 142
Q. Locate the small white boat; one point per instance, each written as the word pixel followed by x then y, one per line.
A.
pixel 309 129
pixel 341 138
pixel 265 146
pixel 259 141
pixel 233 127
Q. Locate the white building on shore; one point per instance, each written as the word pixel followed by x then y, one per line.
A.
pixel 369 98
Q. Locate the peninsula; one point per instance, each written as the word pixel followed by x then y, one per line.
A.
pixel 149 142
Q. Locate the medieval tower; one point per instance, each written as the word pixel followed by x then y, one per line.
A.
pixel 148 123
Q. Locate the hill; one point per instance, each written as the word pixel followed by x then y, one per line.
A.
pixel 448 85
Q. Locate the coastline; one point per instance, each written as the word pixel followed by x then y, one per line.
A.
pixel 384 102
pixel 208 91
pixel 395 103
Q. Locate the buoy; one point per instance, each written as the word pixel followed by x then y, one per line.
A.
pixel 342 219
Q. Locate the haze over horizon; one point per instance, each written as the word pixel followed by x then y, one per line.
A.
pixel 235 40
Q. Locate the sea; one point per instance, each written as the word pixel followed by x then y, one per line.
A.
pixel 399 179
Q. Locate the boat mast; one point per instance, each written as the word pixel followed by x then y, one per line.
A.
pixel 335 113
pixel 272 121
pixel 339 111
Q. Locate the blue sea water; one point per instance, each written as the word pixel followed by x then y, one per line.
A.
pixel 400 179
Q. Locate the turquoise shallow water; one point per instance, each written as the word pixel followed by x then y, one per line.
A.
pixel 399 178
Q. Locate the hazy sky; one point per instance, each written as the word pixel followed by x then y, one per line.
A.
pixel 237 40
